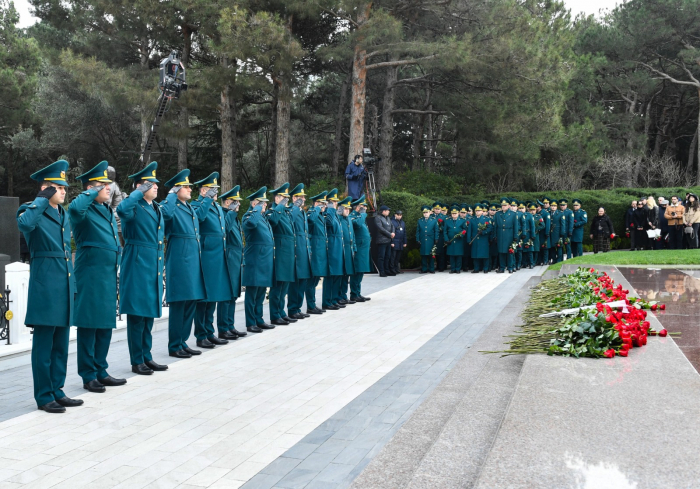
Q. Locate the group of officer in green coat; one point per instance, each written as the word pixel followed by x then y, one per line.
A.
pixel 482 238
pixel 211 254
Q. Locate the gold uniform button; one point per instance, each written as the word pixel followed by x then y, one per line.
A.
pixel 160 257
pixel 160 242
pixel 69 274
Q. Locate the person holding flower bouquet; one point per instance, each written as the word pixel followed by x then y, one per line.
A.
pixel 507 231
pixel 453 233
pixel 558 233
pixel 528 245
pixel 544 231
pixel 602 231
pixel 427 233
pixel 580 219
pixel 479 233
pixel 538 225
pixel 567 226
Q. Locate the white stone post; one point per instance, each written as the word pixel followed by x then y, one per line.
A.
pixel 17 279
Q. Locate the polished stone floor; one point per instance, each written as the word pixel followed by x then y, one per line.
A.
pixel 680 291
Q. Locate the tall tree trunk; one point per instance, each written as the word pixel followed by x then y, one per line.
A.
pixel 184 117
pixel 228 132
pixel 336 163
pixel 272 142
pixel 697 134
pixel 284 112
pixel 146 117
pixel 691 157
pixel 359 88
pixel 417 135
pixel 386 137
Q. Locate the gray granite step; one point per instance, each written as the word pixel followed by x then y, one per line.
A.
pixel 447 439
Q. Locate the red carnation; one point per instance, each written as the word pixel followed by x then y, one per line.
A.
pixel 663 332
pixel 609 353
pixel 592 270
pixel 652 332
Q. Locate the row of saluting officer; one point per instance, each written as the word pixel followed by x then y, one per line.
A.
pixel 205 264
pixel 481 238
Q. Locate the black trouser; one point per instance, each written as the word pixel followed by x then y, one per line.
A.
pixel 396 259
pixel 675 237
pixel 383 258
pixel 640 239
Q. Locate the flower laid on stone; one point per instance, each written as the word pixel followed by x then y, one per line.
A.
pixel 596 318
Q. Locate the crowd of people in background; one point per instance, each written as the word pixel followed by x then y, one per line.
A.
pixel 671 224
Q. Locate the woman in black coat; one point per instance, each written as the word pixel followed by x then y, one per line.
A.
pixel 640 219
pixel 601 231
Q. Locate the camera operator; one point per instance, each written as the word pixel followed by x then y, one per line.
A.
pixel 674 214
pixel 355 175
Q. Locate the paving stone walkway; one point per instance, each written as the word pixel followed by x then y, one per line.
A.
pixel 220 419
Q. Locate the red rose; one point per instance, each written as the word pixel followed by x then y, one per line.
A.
pixel 653 307
pixel 612 236
pixel 440 221
pixel 609 353
pixel 464 232
pixel 627 235
pixel 663 332
pixel 646 325
pixel 592 270
pixel 662 307
pixel 623 353
pixel 652 332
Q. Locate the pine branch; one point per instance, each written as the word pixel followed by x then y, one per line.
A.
pixel 416 111
pixel 389 64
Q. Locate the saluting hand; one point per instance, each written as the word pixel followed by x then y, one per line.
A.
pixel 175 189
pixel 284 201
pixel 144 187
pixel 47 193
pixel 211 193
pixel 98 189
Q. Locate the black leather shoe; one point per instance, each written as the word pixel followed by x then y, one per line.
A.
pixel 357 299
pixel 68 402
pixel 180 354
pixel 332 308
pixel 382 275
pixel 265 326
pixel 319 310
pixel 500 271
pixel 289 320
pixel 423 271
pixel 240 334
pixel 342 301
pixel 510 271
pixel 156 366
pixel 52 407
pixel 110 381
pixel 314 311
pixel 305 315
pixel 228 335
pixel 432 272
pixel 189 350
pixel 486 271
pixel 94 386
pixel 141 369
pixel 297 316
pixel 475 271
pixel 278 322
pixel 342 306
pixel 254 329
pixel 365 298
pixel 217 341
pixel 205 343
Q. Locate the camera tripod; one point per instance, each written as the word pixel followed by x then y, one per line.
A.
pixel 371 190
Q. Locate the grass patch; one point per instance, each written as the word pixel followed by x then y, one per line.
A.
pixel 660 257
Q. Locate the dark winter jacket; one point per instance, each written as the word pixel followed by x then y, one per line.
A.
pixel 602 225
pixel 400 238
pixel 384 229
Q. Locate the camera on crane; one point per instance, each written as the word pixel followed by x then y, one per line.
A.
pixel 368 160
pixel 172 76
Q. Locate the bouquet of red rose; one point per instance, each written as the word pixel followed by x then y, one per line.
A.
pixel 513 247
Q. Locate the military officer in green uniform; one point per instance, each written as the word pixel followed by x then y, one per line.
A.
pixel 226 310
pixel 318 241
pixel 441 256
pixel 453 234
pixel 493 240
pixel 349 250
pixel 183 263
pixel 302 259
pixel 427 233
pixel 331 283
pixel 556 234
pixel 519 209
pixel 467 214
pixel 98 250
pixel 568 225
pixel 544 231
pixel 280 219
pixel 479 236
pixel 538 225
pixel 580 219
pixel 528 235
pixel 507 231
pixel 212 239
pixel 258 259
pixel 46 228
pixel 362 242
pixel 141 269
